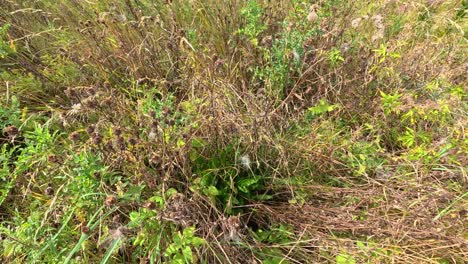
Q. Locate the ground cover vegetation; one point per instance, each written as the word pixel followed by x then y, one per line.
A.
pixel 207 131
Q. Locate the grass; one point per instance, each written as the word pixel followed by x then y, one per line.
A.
pixel 251 131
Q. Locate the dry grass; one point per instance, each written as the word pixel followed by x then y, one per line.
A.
pixel 170 95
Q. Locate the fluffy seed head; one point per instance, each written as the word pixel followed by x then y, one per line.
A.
pixel 245 161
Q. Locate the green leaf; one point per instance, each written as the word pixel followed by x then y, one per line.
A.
pixel 170 192
pixel 211 191
pixel 189 231
pixel 115 245
pixel 345 259
pixel 245 184
pixel 198 143
pixel 197 241
pixel 187 252
pixel 321 108
pixel 178 259
pixel 361 245
pixel 171 250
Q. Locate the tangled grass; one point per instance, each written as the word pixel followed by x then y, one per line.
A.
pixel 233 131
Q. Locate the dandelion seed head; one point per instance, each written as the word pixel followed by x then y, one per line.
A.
pixel 245 161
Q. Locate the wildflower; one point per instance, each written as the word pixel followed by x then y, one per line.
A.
pixel 75 109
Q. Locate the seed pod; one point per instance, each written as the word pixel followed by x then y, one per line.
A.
pixel 70 92
pixel 56 224
pixel 90 102
pixel 107 102
pixel 133 141
pixel 108 146
pixel 75 136
pixel 150 205
pixel 267 41
pixel 154 124
pixel 117 131
pixel 90 91
pixel 97 175
pixel 49 191
pixel 116 219
pixel 121 143
pixel 90 129
pixel 155 159
pixel 85 229
pixel 110 200
pixel 96 138
pixel 11 131
pixel 166 111
pixel 52 158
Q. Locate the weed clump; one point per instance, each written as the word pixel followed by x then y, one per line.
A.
pixel 235 132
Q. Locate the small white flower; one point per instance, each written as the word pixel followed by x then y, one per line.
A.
pixel 75 109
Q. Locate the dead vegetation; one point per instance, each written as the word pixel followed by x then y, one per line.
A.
pixel 235 132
